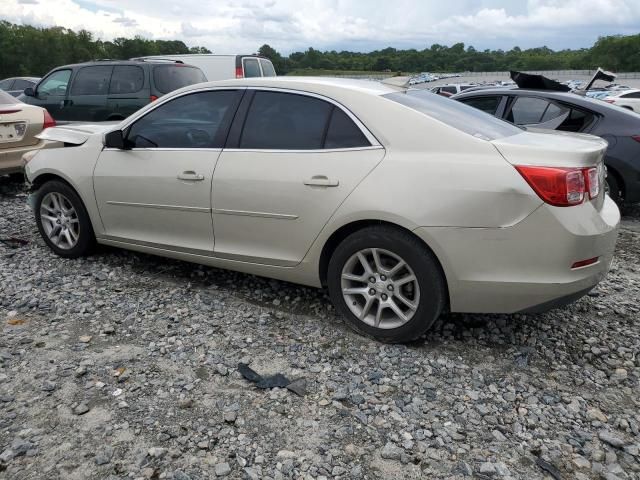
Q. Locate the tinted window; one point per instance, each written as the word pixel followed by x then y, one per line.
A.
pixel 553 111
pixel 527 110
pixel 486 104
pixel 631 95
pixel 455 114
pixel 126 79
pixel 22 84
pixel 190 121
pixel 449 89
pixel 251 68
pixel 55 84
pixel 464 87
pixel 6 84
pixel 285 121
pixel 168 78
pixel 267 68
pixel 343 133
pixel 577 121
pixel 92 81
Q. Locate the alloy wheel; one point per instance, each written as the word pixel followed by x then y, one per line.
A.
pixel 60 220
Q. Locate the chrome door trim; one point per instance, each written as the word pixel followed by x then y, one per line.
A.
pixel 142 243
pixel 315 150
pixel 246 213
pixel 159 206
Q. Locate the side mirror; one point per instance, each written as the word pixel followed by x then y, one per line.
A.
pixel 115 139
pixel 29 92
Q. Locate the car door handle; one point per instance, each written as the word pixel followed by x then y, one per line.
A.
pixel 190 176
pixel 321 181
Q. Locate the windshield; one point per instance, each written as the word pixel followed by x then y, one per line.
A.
pixel 168 78
pixel 6 99
pixel 455 114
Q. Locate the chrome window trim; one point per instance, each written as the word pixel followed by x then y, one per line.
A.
pixel 314 150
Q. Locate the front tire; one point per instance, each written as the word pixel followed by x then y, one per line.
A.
pixel 387 284
pixel 62 220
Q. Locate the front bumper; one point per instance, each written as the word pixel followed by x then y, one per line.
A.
pixel 11 159
pixel 527 266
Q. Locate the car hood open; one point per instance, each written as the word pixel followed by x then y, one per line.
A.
pixel 76 134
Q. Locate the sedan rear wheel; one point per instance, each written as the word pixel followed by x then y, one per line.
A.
pixel 386 283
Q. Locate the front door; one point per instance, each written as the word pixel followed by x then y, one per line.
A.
pixel 158 192
pixel 294 162
pixel 51 93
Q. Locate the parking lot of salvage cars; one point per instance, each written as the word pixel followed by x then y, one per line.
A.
pixel 125 364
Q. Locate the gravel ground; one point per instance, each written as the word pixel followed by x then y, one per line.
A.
pixel 124 365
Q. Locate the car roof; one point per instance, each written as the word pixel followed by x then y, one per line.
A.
pixel 92 63
pixel 310 84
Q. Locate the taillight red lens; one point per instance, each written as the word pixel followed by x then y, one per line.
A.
pixel 239 72
pixel 584 263
pixel 48 121
pixel 561 187
pixel 153 98
pixel 635 137
pixel 592 177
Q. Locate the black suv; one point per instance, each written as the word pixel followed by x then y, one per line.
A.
pixel 108 89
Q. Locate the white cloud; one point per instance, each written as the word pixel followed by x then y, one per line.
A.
pixel 288 25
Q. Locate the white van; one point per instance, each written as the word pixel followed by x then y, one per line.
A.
pixel 224 67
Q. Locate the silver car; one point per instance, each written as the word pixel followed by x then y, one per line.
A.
pixel 403 203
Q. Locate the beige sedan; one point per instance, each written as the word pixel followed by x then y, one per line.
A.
pixel 19 125
pixel 403 203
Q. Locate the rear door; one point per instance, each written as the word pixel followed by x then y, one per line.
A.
pixel 128 91
pixel 288 165
pixel 88 94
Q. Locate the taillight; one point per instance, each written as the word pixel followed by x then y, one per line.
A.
pixel 585 263
pixel 635 137
pixel 48 121
pixel 562 187
pixel 239 72
pixel 153 98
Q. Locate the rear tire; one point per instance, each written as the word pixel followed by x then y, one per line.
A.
pixel 62 220
pixel 377 299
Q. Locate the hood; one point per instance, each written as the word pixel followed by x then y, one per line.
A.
pixel 76 134
pixel 549 148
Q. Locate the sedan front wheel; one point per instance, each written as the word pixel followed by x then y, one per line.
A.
pixel 386 283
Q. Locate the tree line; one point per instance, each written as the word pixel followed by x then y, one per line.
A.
pixel 32 51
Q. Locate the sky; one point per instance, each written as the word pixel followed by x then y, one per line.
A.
pixel 226 26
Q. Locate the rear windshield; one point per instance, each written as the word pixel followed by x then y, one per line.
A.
pixel 168 78
pixel 6 99
pixel 455 114
pixel 267 68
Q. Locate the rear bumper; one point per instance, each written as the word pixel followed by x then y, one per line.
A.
pixel 527 266
pixel 11 159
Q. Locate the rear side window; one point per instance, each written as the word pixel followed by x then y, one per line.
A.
pixel 126 79
pixel 631 95
pixel 267 68
pixel 168 78
pixel 455 114
pixel 577 121
pixel 22 84
pixel 92 81
pixel 486 104
pixel 448 89
pixel 190 121
pixel 6 84
pixel 285 121
pixel 527 110
pixel 251 67
pixel 343 133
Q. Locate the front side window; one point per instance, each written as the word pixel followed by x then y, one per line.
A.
pixel 22 84
pixel 486 104
pixel 92 80
pixel 251 68
pixel 126 79
pixel 527 110
pixel 267 68
pixel 55 84
pixel 190 121
pixel 285 121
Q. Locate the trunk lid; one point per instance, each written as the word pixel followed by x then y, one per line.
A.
pixel 19 123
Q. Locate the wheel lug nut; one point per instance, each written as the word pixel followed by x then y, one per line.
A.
pixel 383 277
pixel 384 296
pixel 372 279
pixel 390 288
pixel 372 292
